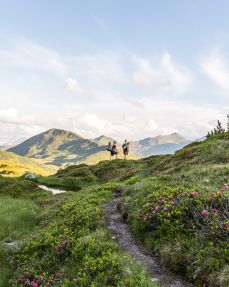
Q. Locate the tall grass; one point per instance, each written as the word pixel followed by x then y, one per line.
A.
pixel 17 217
pixel 5 270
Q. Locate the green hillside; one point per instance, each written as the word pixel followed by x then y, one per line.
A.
pixel 62 148
pixel 176 206
pixel 14 165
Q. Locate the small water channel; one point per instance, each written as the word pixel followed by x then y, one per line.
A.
pixel 54 191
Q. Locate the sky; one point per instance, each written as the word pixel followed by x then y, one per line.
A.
pixel 126 69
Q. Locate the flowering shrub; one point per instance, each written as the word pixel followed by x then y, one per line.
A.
pixel 188 210
pixel 31 279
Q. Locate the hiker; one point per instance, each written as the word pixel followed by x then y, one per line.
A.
pixel 114 150
pixel 125 148
pixel 109 148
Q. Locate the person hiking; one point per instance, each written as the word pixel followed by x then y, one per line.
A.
pixel 125 148
pixel 114 150
pixel 109 148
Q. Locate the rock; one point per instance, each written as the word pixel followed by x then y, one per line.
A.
pixel 31 175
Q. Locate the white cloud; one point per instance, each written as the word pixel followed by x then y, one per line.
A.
pixel 216 67
pixel 102 68
pixel 72 85
pixel 166 76
pixel 28 54
pixel 8 113
pixel 14 125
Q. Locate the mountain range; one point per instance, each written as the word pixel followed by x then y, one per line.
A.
pixel 60 147
pixel 162 144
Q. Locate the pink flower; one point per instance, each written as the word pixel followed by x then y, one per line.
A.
pixel 214 210
pixel 163 201
pixel 40 277
pixel 204 212
pixel 144 218
pixel 224 187
pixel 154 211
pixel 34 284
pixel 194 194
pixel 172 202
pixel 226 226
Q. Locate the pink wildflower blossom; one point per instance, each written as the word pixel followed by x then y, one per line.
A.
pixel 34 284
pixel 204 212
pixel 224 187
pixel 163 201
pixel 226 226
pixel 214 210
pixel 194 194
pixel 172 202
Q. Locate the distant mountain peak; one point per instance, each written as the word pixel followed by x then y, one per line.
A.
pixel 104 140
pixel 55 132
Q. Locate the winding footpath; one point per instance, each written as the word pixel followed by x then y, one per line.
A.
pixel 120 233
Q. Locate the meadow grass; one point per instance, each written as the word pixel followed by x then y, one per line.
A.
pixel 17 217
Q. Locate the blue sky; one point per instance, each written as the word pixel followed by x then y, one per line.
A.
pixel 122 68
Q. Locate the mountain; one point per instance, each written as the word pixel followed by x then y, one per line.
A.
pixel 103 140
pixel 61 147
pixel 166 144
pixel 15 165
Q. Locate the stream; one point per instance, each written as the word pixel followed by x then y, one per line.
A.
pixel 54 191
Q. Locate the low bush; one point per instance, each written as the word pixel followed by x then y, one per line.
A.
pixel 187 228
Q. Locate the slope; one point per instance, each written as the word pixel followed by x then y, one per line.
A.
pixel 175 205
pixel 15 165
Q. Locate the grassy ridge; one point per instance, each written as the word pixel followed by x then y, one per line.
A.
pixel 15 165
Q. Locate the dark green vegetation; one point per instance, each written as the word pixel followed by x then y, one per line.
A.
pixel 20 206
pixel 176 206
pixel 70 245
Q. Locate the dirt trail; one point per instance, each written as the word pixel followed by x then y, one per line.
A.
pixel 120 232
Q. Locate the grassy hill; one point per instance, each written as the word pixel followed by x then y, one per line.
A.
pixel 175 205
pixel 14 165
pixel 60 147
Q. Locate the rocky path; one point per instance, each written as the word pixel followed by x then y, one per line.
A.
pixel 120 232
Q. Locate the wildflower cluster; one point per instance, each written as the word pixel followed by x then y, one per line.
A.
pixel 193 210
pixel 33 280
